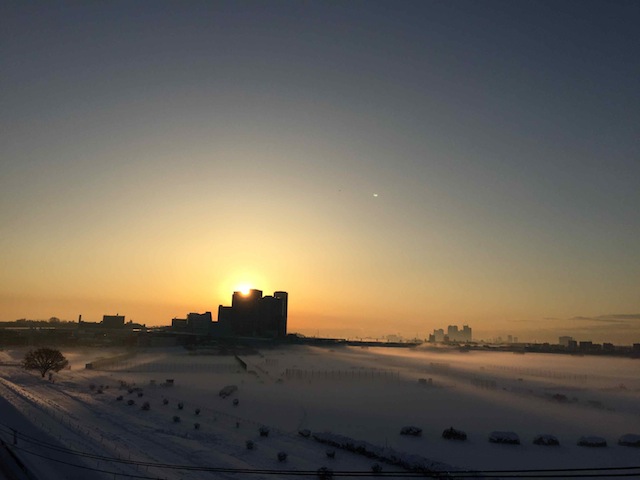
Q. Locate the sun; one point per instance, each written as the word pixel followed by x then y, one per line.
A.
pixel 243 288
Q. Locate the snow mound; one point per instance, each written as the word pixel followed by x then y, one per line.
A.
pixel 453 434
pixel 411 430
pixel 592 441
pixel 509 438
pixel 547 440
pixel 629 440
pixel 228 390
pixel 411 462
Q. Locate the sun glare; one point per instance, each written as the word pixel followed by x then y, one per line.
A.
pixel 243 288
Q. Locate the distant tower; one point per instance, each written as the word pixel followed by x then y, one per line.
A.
pixel 466 333
pixel 452 333
pixel 438 335
pixel 284 298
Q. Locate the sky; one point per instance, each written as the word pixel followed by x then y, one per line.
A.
pixel 395 166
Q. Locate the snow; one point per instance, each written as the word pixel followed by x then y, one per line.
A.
pixel 509 438
pixel 411 430
pixel 547 440
pixel 366 395
pixel 629 440
pixel 592 441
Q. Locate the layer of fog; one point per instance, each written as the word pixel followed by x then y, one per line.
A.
pixel 370 393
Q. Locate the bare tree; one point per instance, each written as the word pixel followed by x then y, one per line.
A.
pixel 44 360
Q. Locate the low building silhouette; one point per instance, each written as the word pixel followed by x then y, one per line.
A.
pixel 586 345
pixel 113 321
pixel 179 323
pixel 565 340
pixel 199 322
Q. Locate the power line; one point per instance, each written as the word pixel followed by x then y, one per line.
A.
pixel 296 473
pixel 300 473
pixel 84 467
pixel 523 473
pixel 339 473
pixel 81 454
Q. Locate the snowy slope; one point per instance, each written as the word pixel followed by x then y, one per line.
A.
pixel 365 394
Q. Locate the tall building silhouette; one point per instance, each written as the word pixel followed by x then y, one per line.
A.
pixel 252 315
pixel 453 334
pixel 466 333
pixel 284 301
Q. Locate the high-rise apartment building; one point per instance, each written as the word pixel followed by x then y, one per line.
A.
pixel 252 315
pixel 453 334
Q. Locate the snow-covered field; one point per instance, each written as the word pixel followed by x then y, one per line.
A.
pixel 363 393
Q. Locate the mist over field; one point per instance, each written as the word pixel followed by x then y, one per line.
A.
pixel 366 394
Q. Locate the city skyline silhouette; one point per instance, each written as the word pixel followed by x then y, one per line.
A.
pixel 396 168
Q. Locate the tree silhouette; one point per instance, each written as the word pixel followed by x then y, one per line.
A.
pixel 44 360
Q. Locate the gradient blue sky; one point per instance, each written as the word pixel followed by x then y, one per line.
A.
pixel 156 155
